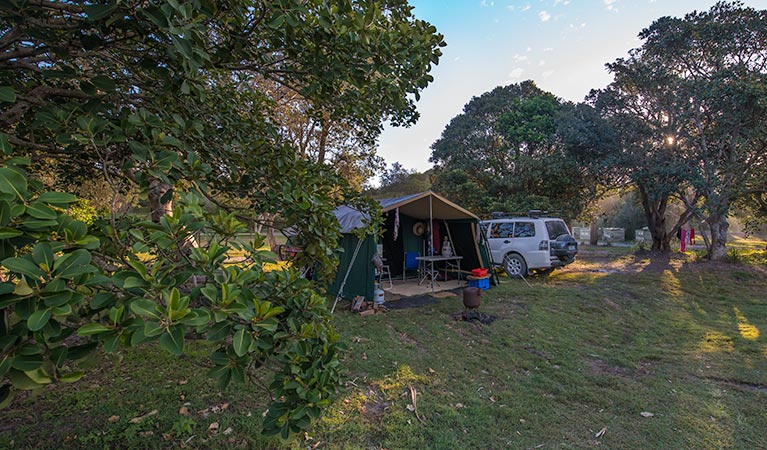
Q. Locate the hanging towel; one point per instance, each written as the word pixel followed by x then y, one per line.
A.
pixel 396 223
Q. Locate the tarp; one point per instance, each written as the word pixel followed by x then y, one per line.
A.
pixel 350 219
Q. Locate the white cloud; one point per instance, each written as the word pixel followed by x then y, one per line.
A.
pixel 610 4
pixel 526 7
pixel 519 58
pixel 542 62
pixel 564 2
pixel 548 49
pixel 544 16
pixel 485 3
pixel 516 74
pixel 547 74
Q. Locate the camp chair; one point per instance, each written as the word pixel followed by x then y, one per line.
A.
pixel 382 269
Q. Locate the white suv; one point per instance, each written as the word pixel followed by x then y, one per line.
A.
pixel 526 244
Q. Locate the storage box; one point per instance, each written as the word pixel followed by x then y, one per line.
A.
pixel 482 283
pixel 479 273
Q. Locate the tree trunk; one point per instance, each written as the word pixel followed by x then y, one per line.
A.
pixel 593 232
pixel 655 213
pixel 719 227
pixel 157 189
pixel 271 239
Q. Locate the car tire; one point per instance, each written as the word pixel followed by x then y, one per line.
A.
pixel 514 265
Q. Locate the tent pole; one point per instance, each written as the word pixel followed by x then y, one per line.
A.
pixel 431 241
pixel 346 276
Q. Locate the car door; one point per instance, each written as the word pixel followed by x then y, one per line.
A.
pixel 499 238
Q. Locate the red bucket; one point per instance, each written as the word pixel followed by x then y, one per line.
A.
pixel 479 273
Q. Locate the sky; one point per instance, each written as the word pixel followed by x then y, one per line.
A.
pixel 562 45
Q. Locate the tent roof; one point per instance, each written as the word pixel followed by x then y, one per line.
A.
pixel 417 206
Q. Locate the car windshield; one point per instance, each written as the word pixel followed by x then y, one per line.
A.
pixel 556 228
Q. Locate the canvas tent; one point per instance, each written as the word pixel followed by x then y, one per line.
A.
pixel 413 225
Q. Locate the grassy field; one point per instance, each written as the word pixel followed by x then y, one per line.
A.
pixel 618 351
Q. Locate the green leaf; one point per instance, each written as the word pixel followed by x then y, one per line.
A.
pixel 111 343
pixel 173 340
pixel 98 12
pixel 23 266
pixel 20 380
pixel 73 264
pixel 57 198
pixel 12 182
pixel 57 299
pixel 146 308
pixel 26 363
pixel 6 396
pixel 42 255
pixel 92 328
pixel 104 83
pixel 8 233
pixel 102 300
pixel 38 319
pixel 5 145
pixel 7 94
pixel 134 282
pixel 40 210
pixel 241 342
pixel 152 328
pixel 72 376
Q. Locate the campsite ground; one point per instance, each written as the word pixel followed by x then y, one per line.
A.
pixel 620 350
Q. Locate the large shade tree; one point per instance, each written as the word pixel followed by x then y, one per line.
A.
pixel 163 98
pixel 518 148
pixel 696 90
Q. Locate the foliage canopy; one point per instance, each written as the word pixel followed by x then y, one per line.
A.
pixel 165 98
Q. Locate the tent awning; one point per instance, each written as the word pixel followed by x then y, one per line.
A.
pixel 417 206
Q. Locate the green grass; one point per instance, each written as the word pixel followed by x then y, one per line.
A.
pixel 586 349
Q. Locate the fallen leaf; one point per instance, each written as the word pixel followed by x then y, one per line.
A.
pixel 432 370
pixel 229 430
pixel 459 405
pixel 184 411
pixel 113 419
pixel 182 382
pixel 364 356
pixel 646 414
pixel 146 433
pixel 601 432
pixel 140 418
pixel 213 428
pixel 492 399
pixel 410 407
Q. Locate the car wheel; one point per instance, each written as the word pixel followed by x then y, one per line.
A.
pixel 514 265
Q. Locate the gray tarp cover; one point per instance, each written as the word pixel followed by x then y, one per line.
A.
pixel 350 219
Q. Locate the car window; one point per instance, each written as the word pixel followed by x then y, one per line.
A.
pixel 524 229
pixel 501 230
pixel 556 228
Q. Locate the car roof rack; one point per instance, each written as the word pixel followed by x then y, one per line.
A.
pixel 532 213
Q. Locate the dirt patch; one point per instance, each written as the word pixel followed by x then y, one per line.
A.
pixel 411 302
pixel 742 385
pixel 373 411
pixel 475 316
pixel 597 366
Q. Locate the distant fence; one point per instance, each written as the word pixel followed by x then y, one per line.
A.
pixel 583 234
